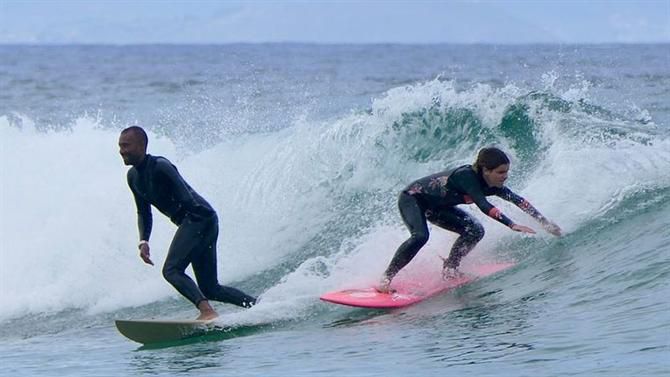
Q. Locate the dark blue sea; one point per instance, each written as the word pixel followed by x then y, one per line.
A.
pixel 302 150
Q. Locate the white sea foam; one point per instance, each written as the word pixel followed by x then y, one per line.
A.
pixel 68 222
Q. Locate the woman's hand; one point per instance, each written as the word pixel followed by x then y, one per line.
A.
pixel 522 228
pixel 552 228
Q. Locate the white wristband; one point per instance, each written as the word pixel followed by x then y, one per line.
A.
pixel 143 242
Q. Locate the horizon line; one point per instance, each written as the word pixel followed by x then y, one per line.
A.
pixel 113 44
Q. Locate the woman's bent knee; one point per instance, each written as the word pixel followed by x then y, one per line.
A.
pixel 475 232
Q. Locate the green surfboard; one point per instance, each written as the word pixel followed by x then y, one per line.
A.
pixel 148 331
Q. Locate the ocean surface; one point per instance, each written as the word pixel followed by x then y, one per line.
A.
pixel 302 150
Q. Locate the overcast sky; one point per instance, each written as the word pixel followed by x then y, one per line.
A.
pixel 366 21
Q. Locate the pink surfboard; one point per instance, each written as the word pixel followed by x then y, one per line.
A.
pixel 409 291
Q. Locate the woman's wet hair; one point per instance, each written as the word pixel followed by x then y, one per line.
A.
pixel 490 158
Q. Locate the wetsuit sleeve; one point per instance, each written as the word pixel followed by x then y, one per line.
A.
pixel 180 190
pixel 474 190
pixel 522 203
pixel 144 217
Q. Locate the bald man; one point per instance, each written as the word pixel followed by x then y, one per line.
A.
pixel 153 180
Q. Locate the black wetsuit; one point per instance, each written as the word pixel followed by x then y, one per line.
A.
pixel 434 198
pixel 155 181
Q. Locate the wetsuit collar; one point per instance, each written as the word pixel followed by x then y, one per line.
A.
pixel 142 165
pixel 480 176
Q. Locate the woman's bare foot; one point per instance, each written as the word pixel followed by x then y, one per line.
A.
pixel 384 286
pixel 452 273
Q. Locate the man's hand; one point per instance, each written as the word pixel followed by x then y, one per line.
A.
pixel 522 228
pixel 552 228
pixel 145 254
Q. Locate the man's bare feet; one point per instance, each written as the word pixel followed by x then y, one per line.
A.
pixel 206 311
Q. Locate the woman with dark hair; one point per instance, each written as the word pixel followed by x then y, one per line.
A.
pixel 434 198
